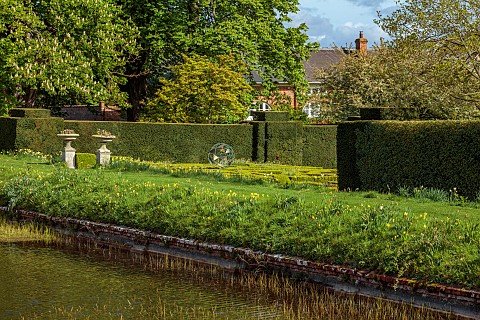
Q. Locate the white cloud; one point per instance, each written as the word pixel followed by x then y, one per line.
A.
pixel 340 27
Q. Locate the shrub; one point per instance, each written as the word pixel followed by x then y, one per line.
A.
pixel 85 160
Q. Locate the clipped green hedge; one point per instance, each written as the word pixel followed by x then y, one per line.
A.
pixel 37 134
pixel 270 115
pixel 8 133
pixel 393 154
pixel 284 142
pixel 85 160
pixel 348 171
pixel 319 146
pixel 260 141
pixel 187 143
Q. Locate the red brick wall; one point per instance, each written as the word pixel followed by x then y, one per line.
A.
pixel 284 89
pixel 92 113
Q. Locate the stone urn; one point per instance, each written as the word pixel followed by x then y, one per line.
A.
pixel 103 154
pixel 68 152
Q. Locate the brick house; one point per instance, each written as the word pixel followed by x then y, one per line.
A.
pixel 321 59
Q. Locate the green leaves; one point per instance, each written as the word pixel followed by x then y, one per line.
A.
pixel 68 50
pixel 202 91
pixel 444 34
pixel 253 31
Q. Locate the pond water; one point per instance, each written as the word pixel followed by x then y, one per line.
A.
pixel 39 282
pixel 45 282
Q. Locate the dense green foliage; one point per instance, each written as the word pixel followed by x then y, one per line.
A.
pixel 349 177
pixel 383 236
pixel 430 64
pixel 284 142
pixel 85 160
pixel 29 113
pixel 388 155
pixel 39 134
pixel 164 141
pixel 8 132
pixel 203 91
pixel 270 116
pixel 389 113
pixel 441 38
pixel 53 51
pixel 320 146
pixel 253 31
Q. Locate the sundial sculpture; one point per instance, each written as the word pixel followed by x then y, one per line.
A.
pixel 221 154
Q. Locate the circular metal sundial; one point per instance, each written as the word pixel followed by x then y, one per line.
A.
pixel 221 154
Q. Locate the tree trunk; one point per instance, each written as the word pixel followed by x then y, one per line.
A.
pixel 193 15
pixel 29 97
pixel 136 88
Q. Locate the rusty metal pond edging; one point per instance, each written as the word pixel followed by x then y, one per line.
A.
pixel 460 301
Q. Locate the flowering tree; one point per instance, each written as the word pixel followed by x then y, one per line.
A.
pixel 70 50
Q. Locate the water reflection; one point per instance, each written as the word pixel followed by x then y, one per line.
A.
pixel 36 281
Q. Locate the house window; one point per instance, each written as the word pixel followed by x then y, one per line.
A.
pixel 261 106
pixel 311 110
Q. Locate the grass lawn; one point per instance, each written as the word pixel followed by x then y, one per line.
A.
pixel 264 207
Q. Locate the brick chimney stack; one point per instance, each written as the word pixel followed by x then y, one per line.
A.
pixel 361 44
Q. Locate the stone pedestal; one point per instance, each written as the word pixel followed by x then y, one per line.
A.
pixel 68 152
pixel 103 154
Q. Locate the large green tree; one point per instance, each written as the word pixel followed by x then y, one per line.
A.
pixel 445 35
pixel 254 31
pixel 63 50
pixel 202 91
pixel 389 76
pixel 431 64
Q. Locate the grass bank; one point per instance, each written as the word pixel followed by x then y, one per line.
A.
pixel 435 241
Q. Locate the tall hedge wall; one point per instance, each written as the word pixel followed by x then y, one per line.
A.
pixel 258 141
pixel 319 146
pixel 164 141
pixel 284 142
pixel 287 142
pixel 38 134
pixel 8 134
pixel 347 168
pixel 392 154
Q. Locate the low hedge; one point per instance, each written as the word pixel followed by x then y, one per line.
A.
pixel 388 155
pixel 85 160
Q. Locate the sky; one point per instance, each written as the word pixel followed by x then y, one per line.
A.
pixel 339 22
